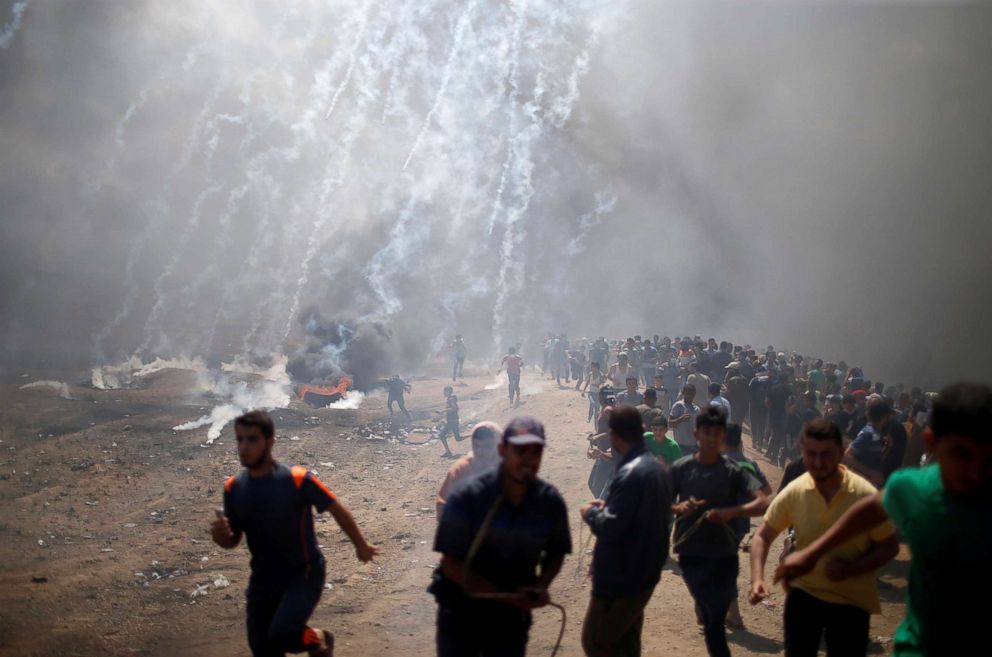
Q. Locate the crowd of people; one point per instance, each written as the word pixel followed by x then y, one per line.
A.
pixel 868 466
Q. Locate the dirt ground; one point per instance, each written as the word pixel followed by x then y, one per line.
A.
pixel 104 515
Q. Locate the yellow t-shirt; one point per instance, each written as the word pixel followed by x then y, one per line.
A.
pixel 801 506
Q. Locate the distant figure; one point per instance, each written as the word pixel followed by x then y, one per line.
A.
pixel 484 455
pixel 397 387
pixel 273 505
pixel 451 420
pixel 513 364
pixel 458 351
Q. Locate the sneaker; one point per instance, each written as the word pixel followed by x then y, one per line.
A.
pixel 326 648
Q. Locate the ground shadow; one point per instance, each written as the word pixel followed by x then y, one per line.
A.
pixel 755 642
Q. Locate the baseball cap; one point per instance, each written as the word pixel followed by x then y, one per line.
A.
pixel 524 430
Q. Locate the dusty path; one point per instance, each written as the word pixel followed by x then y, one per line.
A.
pixel 103 500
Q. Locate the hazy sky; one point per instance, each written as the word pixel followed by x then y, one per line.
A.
pixel 191 178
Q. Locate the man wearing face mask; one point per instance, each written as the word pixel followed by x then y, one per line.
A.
pixel 484 455
pixel 503 537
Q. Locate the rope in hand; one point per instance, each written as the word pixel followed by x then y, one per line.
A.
pixel 731 536
pixel 470 556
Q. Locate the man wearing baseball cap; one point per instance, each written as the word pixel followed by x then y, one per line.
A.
pixel 502 537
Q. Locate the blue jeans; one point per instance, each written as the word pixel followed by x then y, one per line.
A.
pixel 712 582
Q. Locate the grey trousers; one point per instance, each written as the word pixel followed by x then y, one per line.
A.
pixel 613 627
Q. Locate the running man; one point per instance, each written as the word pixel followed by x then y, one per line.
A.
pixel 397 388
pixel 513 364
pixel 708 486
pixel 836 600
pixel 450 420
pixel 458 351
pixel 944 514
pixel 503 537
pixel 270 503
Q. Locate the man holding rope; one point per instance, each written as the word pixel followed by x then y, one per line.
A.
pixel 631 530
pixel 503 537
pixel 707 486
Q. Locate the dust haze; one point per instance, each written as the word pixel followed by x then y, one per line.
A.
pixel 213 180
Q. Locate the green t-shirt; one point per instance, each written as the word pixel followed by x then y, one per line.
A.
pixel 950 538
pixel 667 448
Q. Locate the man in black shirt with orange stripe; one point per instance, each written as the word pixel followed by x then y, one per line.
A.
pixel 271 504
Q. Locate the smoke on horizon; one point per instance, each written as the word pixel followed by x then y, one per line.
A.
pixel 208 180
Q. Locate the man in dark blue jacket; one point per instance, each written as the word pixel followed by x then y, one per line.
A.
pixel 631 528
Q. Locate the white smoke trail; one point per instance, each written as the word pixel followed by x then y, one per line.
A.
pixel 60 388
pixel 456 45
pixel 352 401
pixel 352 58
pixel 11 28
pixel 271 391
pixel 151 324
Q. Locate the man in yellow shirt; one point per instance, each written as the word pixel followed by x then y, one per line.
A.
pixel 839 595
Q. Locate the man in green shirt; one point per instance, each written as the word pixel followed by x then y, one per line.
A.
pixel 659 443
pixel 944 514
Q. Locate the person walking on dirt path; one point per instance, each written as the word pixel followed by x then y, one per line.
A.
pixel 943 512
pixel 397 387
pixel 458 351
pixel 631 530
pixel 837 599
pixel 707 487
pixel 594 382
pixel 503 537
pixel 484 455
pixel 682 417
pixel 271 504
pixel 513 364
pixel 450 420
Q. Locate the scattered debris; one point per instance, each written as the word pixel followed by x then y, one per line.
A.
pixel 200 590
pixel 221 582
pixel 39 579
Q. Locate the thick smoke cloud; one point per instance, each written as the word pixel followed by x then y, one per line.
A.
pixel 209 180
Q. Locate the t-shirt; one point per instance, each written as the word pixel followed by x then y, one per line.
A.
pixel 666 448
pixel 451 408
pixel 519 538
pixel 629 398
pixel 742 526
pixel 275 514
pixel 868 448
pixel 778 398
pixel 683 431
pixel 721 484
pixel 802 506
pixel 512 363
pixel 950 538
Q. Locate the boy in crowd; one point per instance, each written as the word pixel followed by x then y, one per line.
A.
pixel 708 486
pixel 944 513
pixel 451 420
pixel 658 442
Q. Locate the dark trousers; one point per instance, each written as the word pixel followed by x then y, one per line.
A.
pixel 757 421
pixel 277 613
pixel 456 371
pixel 712 582
pixel 397 400
pixel 613 627
pixel 464 633
pixel 777 440
pixel 514 385
pixel 807 619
